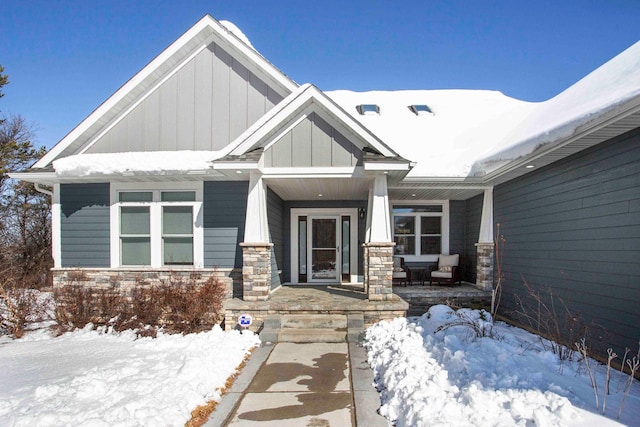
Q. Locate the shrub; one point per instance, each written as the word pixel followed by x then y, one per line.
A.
pixel 179 305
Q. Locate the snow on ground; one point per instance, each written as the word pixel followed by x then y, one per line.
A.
pixel 100 378
pixel 447 378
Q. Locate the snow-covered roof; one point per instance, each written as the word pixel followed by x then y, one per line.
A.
pixel 474 132
pixel 122 163
pixel 465 125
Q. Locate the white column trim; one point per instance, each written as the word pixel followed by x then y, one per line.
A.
pixel 256 229
pixel 56 218
pixel 380 230
pixel 486 223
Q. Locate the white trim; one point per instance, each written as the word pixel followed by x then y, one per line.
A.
pixel 156 219
pixel 486 223
pixel 295 213
pixel 445 227
pixel 314 172
pixel 380 229
pixel 386 166
pixel 56 219
pixel 122 115
pixel 307 99
pixel 207 23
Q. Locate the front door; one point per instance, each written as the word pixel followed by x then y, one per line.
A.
pixel 324 249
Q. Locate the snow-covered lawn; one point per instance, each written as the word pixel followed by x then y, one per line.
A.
pixel 451 378
pixel 94 378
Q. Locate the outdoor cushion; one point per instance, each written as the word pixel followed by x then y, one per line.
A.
pixel 441 274
pixel 446 269
pixel 397 265
pixel 448 260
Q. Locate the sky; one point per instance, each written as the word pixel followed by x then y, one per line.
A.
pixel 65 57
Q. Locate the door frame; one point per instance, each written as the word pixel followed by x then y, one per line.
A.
pixel 352 213
pixel 338 249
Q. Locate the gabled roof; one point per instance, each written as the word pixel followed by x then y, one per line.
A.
pixel 305 100
pixel 170 60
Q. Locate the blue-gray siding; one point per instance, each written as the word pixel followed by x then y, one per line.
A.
pixel 311 204
pixel 84 225
pixel 275 213
pixel 205 105
pixel 473 217
pixel 573 228
pixel 225 208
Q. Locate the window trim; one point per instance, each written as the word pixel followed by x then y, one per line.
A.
pixel 418 232
pixel 155 207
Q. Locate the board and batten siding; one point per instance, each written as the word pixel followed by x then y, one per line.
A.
pixel 313 143
pixel 573 228
pixel 205 105
pixel 224 212
pixel 85 225
pixel 275 213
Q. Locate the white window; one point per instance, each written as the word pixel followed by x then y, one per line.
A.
pixel 156 228
pixel 420 231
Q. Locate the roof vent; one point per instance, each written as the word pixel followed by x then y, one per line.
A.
pixel 418 109
pixel 368 109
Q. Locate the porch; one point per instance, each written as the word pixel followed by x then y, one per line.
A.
pixel 350 299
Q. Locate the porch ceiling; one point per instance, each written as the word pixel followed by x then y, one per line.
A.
pixel 434 192
pixel 321 188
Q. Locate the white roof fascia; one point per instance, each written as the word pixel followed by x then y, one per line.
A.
pixel 579 133
pixel 307 94
pixel 207 22
pixel 235 165
pixel 386 166
pixel 314 172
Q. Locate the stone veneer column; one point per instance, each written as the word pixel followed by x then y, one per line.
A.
pixel 379 270
pixel 484 266
pixel 256 271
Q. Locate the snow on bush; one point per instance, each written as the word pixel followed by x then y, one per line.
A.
pixel 98 378
pixel 430 375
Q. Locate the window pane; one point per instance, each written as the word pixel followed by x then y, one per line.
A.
pixel 323 233
pixel 430 225
pixel 178 250
pixel 346 250
pixel 405 245
pixel 135 251
pixel 430 245
pixel 177 220
pixel 178 196
pixel 404 225
pixel 135 196
pixel 416 208
pixel 302 244
pixel 134 220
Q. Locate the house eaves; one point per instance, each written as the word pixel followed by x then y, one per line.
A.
pixel 305 100
pixel 205 31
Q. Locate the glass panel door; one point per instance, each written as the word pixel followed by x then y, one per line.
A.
pixel 324 249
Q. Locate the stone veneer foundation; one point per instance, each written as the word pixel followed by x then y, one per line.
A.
pixel 124 279
pixel 484 269
pixel 378 270
pixel 256 271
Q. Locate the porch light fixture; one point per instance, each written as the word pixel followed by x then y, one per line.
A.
pixel 530 166
pixel 238 172
pixel 362 212
pixel 320 194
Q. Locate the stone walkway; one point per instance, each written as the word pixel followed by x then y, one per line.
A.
pixel 289 384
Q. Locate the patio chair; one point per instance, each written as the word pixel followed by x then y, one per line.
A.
pixel 447 271
pixel 401 273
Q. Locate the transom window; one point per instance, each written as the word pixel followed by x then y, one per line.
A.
pixel 418 229
pixel 156 227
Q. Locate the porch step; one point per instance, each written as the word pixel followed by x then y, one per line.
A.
pixel 306 335
pixel 306 328
pixel 313 321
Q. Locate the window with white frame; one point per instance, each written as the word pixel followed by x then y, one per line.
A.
pixel 156 227
pixel 419 230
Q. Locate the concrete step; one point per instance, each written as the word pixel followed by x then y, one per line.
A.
pixel 313 321
pixel 313 335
